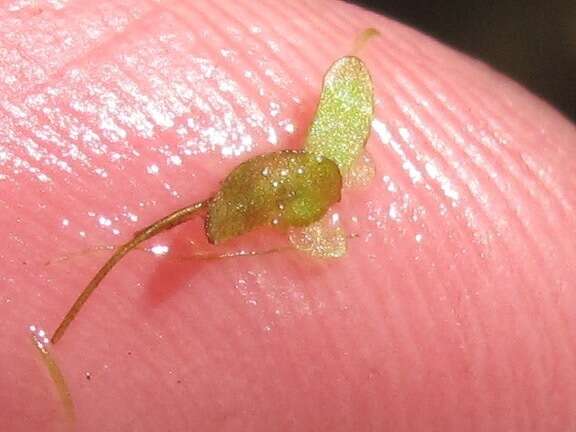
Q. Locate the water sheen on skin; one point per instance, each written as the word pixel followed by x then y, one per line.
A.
pixel 452 310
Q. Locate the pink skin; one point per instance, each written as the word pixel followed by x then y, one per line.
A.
pixel 453 310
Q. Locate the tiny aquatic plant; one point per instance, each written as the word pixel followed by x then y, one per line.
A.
pixel 288 189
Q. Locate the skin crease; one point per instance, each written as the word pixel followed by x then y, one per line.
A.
pixel 453 310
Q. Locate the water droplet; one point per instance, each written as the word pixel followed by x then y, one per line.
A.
pixel 153 169
pixel 40 337
pixel 104 221
pixel 160 250
pixel 175 160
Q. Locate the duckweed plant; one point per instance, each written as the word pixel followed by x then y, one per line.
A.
pixel 289 189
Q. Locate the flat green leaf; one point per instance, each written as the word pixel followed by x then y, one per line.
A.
pixel 342 122
pixel 323 238
pixel 281 189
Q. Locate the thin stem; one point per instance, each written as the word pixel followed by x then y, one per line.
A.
pixel 190 257
pixel 90 250
pixel 59 381
pixel 236 254
pixel 164 224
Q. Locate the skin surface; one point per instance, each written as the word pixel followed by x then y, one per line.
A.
pixel 453 310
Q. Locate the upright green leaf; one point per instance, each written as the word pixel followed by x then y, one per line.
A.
pixel 342 122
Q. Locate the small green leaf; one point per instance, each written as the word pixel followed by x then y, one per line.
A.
pixel 281 189
pixel 342 122
pixel 323 238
